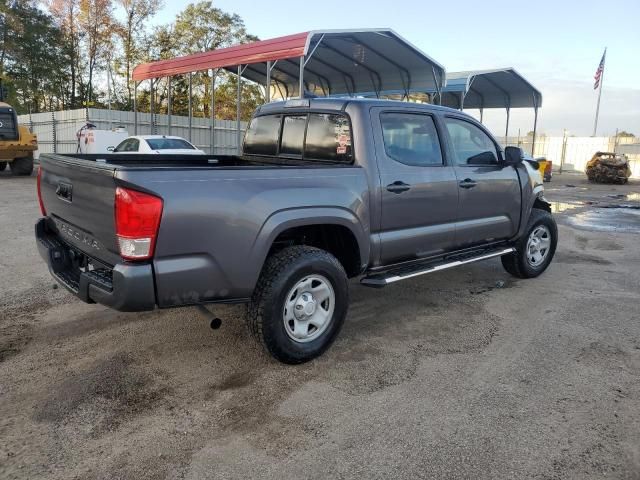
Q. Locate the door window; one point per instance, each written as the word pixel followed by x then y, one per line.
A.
pixel 411 138
pixel 169 144
pixel 128 145
pixel 471 146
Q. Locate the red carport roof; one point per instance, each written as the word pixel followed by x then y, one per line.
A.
pixel 337 62
pixel 290 46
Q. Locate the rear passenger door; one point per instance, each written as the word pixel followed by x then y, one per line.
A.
pixel 489 192
pixel 418 189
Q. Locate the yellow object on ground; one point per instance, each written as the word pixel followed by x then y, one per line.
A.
pixel 545 168
pixel 17 143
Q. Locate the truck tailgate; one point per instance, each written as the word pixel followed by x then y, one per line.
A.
pixel 78 196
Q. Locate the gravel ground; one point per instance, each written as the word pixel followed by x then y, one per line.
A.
pixel 463 374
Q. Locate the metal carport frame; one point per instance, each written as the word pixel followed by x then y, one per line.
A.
pixel 495 88
pixel 327 62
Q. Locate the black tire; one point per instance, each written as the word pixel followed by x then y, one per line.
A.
pixel 22 166
pixel 517 263
pixel 281 273
pixel 3 165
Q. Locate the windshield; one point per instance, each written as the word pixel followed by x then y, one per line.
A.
pixel 169 144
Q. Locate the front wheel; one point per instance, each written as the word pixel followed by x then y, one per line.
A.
pixel 299 304
pixel 535 250
pixel 3 165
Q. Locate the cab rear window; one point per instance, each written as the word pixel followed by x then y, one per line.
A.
pixel 328 138
pixel 312 136
pixel 292 134
pixel 262 135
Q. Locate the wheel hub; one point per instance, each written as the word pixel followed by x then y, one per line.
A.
pixel 308 308
pixel 305 306
pixel 538 245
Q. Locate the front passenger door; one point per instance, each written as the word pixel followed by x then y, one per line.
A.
pixel 489 192
pixel 418 189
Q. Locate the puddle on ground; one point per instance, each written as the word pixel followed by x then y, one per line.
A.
pixel 628 196
pixel 621 205
pixel 559 207
pixel 618 219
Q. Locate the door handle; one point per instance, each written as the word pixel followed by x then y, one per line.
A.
pixel 467 183
pixel 398 187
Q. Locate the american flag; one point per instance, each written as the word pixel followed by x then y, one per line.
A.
pixel 599 71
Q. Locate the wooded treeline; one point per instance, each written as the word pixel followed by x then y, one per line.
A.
pixel 57 54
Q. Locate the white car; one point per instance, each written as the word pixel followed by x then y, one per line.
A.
pixel 156 144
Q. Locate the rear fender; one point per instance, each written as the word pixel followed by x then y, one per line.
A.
pixel 301 217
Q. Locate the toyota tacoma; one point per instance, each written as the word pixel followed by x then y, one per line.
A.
pixel 325 190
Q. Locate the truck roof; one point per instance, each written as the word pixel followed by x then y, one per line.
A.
pixel 341 103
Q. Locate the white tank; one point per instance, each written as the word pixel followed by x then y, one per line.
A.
pixel 92 140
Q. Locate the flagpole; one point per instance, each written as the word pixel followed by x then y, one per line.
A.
pixel 595 123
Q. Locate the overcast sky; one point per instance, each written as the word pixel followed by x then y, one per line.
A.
pixel 556 45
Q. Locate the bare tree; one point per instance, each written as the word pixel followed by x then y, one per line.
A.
pixel 65 12
pixel 137 13
pixel 97 24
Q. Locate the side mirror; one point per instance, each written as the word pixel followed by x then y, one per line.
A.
pixel 110 149
pixel 513 156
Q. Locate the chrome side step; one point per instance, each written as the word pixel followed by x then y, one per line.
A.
pixel 395 275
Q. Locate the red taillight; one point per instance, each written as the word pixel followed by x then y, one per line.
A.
pixel 38 180
pixel 137 221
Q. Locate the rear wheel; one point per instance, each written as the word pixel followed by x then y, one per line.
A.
pixel 22 166
pixel 535 250
pixel 3 165
pixel 299 304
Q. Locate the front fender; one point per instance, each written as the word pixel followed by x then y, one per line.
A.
pixel 535 200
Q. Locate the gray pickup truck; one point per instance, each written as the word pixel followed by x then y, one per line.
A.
pixel 325 190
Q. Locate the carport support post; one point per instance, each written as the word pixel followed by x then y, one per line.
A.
pixel 268 90
pixel 238 111
pixel 301 85
pixel 535 126
pixel 506 130
pixel 213 110
pixel 151 107
pixel 169 106
pixel 190 106
pixel 135 108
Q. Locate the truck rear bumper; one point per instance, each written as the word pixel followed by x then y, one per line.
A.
pixel 127 288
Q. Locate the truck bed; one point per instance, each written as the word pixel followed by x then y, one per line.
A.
pixel 213 207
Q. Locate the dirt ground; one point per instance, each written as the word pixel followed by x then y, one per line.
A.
pixel 466 373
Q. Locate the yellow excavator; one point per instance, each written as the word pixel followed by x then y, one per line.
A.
pixel 17 143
